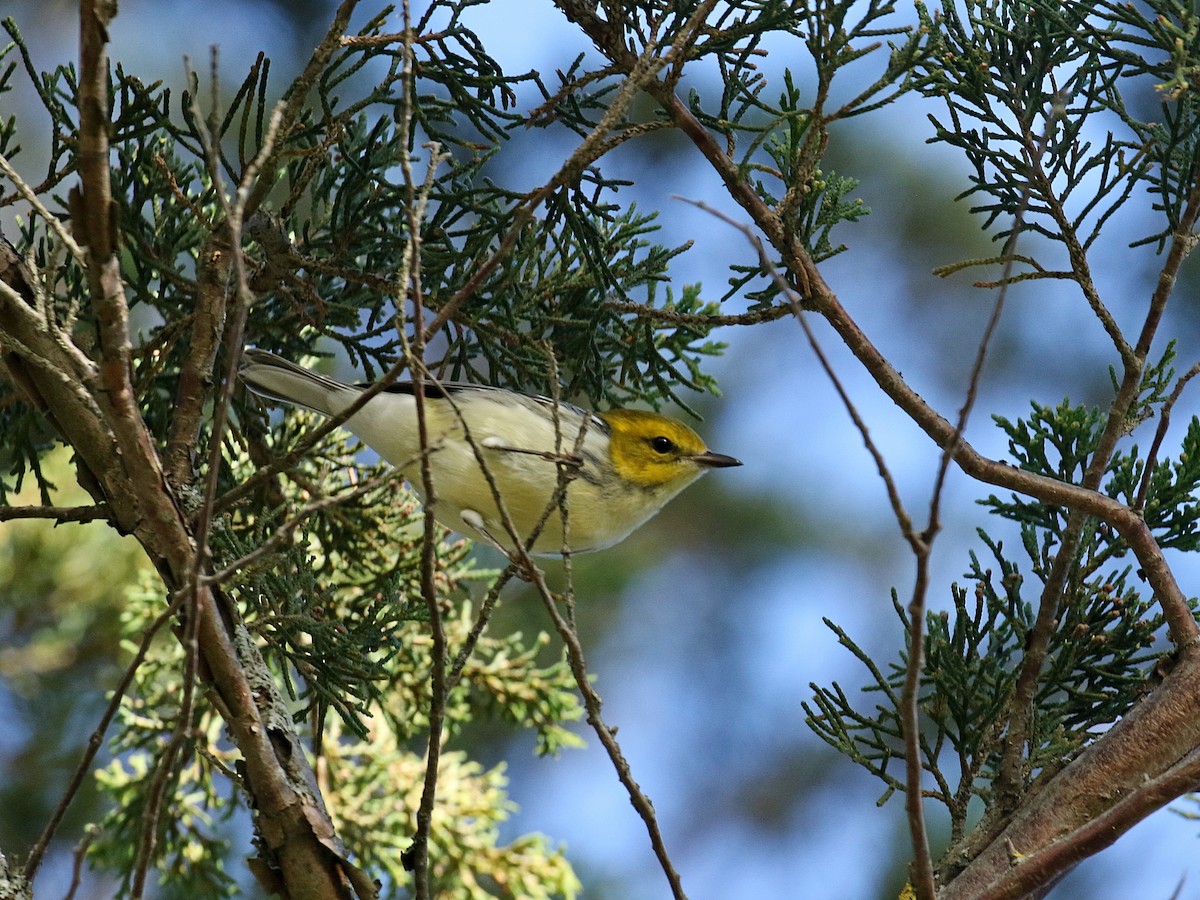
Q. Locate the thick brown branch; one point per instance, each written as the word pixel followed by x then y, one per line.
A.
pixel 1146 760
pixel 1012 775
pixel 120 452
pixel 97 413
pixel 95 223
pixel 93 210
pixel 196 371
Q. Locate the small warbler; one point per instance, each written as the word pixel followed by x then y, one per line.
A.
pixel 629 464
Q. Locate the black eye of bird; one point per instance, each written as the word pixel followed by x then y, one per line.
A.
pixel 662 444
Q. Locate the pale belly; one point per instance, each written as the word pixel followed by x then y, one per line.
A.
pixel 465 501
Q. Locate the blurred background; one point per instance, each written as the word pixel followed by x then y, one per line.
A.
pixel 705 630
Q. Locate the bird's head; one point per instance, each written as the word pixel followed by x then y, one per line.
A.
pixel 653 451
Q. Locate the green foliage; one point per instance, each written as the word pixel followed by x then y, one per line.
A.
pixel 1098 661
pixel 1055 441
pixel 1036 95
pixel 335 604
pixel 378 784
pixel 566 290
pixel 326 246
pixel 345 224
pixel 1061 442
pixel 1171 505
pixel 192 839
pixel 366 658
pixel 779 146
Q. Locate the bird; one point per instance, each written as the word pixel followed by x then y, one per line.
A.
pixel 624 465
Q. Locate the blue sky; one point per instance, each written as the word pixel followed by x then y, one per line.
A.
pixel 703 698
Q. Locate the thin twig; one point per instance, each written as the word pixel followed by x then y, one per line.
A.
pixel 56 224
pixel 416 857
pixel 480 624
pixel 593 704
pixel 1054 207
pixel 520 556
pixel 642 71
pixel 96 741
pixel 566 473
pixel 284 531
pixel 60 514
pixel 1164 422
pixel 1183 242
pixel 219 252
pixel 181 732
pixel 78 858
pixel 921 544
pixel 523 562
pixel 922 871
pixel 795 308
pixel 403 37
pixel 675 317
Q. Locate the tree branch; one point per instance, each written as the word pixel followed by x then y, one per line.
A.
pixel 1160 433
pixel 95 742
pixel 99 418
pixel 60 514
pixel 816 291
pixel 1099 795
pixel 1084 500
pixel 416 857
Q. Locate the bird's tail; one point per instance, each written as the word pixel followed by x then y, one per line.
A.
pixel 278 379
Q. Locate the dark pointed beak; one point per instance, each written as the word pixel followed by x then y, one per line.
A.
pixel 711 460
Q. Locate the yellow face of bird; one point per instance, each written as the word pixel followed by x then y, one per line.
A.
pixel 652 450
